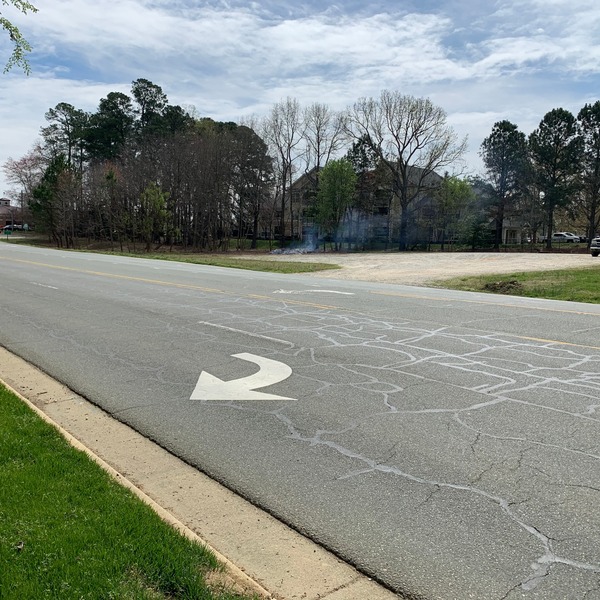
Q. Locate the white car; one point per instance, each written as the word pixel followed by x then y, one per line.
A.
pixel 595 246
pixel 565 236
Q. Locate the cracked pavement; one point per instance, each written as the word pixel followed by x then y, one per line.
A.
pixel 447 444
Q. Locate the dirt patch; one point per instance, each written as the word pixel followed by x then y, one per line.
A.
pixel 503 287
pixel 424 268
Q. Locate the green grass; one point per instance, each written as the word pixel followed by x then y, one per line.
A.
pixel 224 260
pixel 578 285
pixel 68 530
pixel 212 259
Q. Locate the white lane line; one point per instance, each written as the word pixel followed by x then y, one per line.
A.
pixel 50 287
pixel 255 335
pixel 313 292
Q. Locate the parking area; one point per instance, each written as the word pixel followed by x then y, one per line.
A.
pixel 422 268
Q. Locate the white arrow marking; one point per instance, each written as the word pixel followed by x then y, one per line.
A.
pixel 210 387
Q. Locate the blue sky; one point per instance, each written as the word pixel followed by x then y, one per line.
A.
pixel 480 61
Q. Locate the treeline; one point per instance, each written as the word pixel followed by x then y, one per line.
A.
pixel 140 172
pixel 554 170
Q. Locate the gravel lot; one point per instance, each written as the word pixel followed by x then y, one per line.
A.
pixel 423 268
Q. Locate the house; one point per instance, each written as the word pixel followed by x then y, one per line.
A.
pixel 7 212
pixel 14 215
pixel 374 220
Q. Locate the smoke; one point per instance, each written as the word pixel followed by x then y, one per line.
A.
pixel 309 244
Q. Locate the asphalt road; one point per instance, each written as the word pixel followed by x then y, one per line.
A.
pixel 446 443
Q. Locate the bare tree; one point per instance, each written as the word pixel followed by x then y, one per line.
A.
pixel 282 129
pixel 411 138
pixel 324 134
pixel 27 171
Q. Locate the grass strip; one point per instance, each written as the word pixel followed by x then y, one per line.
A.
pixel 251 264
pixel 577 285
pixel 215 260
pixel 69 531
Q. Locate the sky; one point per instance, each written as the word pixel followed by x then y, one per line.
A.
pixel 481 61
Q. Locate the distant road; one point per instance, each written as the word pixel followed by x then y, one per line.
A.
pixel 446 443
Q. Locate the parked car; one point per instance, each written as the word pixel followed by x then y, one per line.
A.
pixel 12 228
pixel 595 246
pixel 565 236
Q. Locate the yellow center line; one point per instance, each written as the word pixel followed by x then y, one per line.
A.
pixel 310 304
pixel 114 275
pixel 160 282
pixel 544 341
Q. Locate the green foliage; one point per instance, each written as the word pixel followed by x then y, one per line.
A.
pixel 337 191
pixel 110 127
pixel 555 148
pixel 225 181
pixel 505 157
pixel 173 120
pixel 152 216
pixel 20 44
pixel 362 155
pixel 451 200
pixel 589 128
pixel 45 196
pixel 65 133
pixel 151 101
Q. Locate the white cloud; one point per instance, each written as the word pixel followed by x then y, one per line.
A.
pixel 236 58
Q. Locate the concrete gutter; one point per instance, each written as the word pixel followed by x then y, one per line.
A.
pixel 261 555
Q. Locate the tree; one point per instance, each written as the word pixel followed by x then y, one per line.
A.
pixel 173 120
pixel 151 101
pixel 54 199
pixel 66 131
pixel 556 148
pixel 589 127
pixel 323 134
pixel 110 127
pixel 20 44
pixel 152 216
pixel 252 175
pixel 372 188
pixel 283 131
pixel 505 157
pixel 450 201
pixel 336 193
pixel 27 172
pixel 411 138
